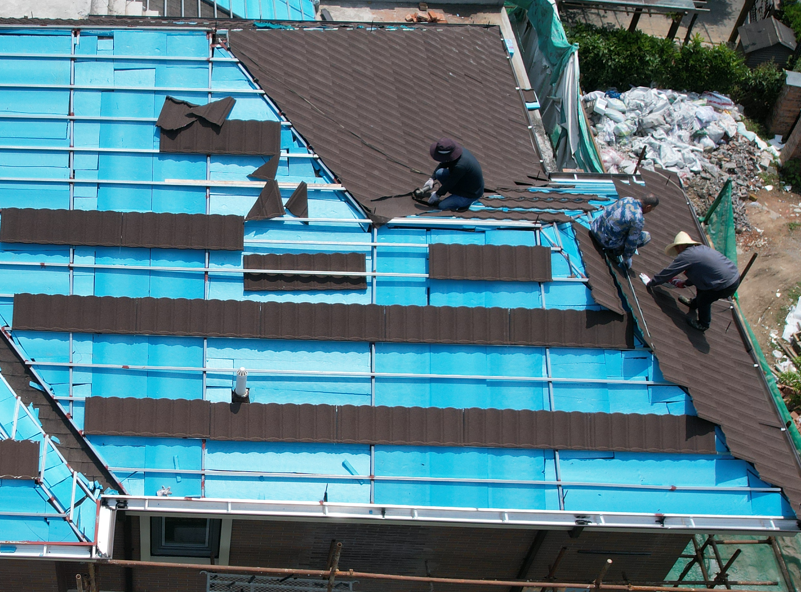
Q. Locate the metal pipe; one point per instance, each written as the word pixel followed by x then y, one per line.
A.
pixel 319 573
pixel 92 118
pixel 238 270
pixel 782 565
pixel 140 58
pixel 346 374
pixel 316 476
pixel 283 153
pixel 225 91
pixel 195 183
pixel 604 569
pixel 334 566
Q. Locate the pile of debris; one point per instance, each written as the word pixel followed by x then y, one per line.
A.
pixel 702 138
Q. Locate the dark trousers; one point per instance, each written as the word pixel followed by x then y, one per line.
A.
pixel 704 299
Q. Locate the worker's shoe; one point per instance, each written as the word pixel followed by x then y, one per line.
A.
pixel 686 301
pixel 697 326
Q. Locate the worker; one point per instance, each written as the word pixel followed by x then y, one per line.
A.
pixel 714 276
pixel 458 173
pixel 619 227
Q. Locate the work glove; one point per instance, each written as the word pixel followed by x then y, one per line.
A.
pixel 428 185
pixel 678 282
pixel 434 199
pixel 625 263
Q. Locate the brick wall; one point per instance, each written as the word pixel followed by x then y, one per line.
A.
pixel 18 574
pixel 451 551
pixel 441 551
pixel 786 110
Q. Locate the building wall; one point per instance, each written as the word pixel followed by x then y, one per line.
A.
pixel 786 109
pixel 439 551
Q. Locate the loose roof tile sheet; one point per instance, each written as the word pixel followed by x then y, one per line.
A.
pixel 318 321
pixel 715 366
pixel 371 103
pixel 309 262
pixel 413 426
pixel 260 138
pixel 600 280
pixel 19 459
pixel 489 262
pixel 122 229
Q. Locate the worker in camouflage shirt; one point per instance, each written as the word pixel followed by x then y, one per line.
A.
pixel 619 227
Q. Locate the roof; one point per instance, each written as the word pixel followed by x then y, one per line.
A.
pixel 766 33
pixel 370 102
pixel 716 366
pixel 500 348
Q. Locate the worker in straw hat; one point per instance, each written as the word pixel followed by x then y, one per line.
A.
pixel 714 276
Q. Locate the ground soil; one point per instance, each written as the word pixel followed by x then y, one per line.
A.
pixel 764 295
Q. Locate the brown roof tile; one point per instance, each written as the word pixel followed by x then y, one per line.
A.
pixel 600 279
pixel 262 138
pixel 489 262
pixel 19 459
pixel 122 229
pixel 321 321
pixel 412 426
pixel 716 367
pixel 311 262
pixel 352 94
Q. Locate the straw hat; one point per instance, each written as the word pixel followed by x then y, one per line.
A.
pixel 682 238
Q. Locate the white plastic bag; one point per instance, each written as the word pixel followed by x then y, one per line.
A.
pixel 614 115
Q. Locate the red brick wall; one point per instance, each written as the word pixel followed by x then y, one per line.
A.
pixel 16 574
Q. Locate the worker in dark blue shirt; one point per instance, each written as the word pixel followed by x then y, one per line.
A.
pixel 459 175
pixel 714 276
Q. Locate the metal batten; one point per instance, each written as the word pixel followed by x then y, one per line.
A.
pixel 271 372
pixel 236 271
pixel 283 154
pixel 232 91
pixel 390 478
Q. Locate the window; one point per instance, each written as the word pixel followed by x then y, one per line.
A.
pixel 185 537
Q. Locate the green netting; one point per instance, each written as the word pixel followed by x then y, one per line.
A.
pixel 720 223
pixel 556 50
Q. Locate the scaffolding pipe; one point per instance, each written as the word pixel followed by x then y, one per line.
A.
pixel 321 573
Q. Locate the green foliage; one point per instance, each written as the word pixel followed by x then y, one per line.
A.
pixel 791 379
pixel 793 225
pixel 620 59
pixel 791 173
pixel 791 16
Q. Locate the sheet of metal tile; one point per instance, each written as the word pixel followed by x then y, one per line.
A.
pixel 503 263
pixel 600 279
pixel 307 73
pixel 571 328
pixel 19 459
pixel 410 426
pixel 61 227
pixel 169 418
pixel 258 138
pixel 716 366
pixel 268 204
pixel 319 321
pixel 183 231
pixel 273 422
pixel 311 262
pixel 118 229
